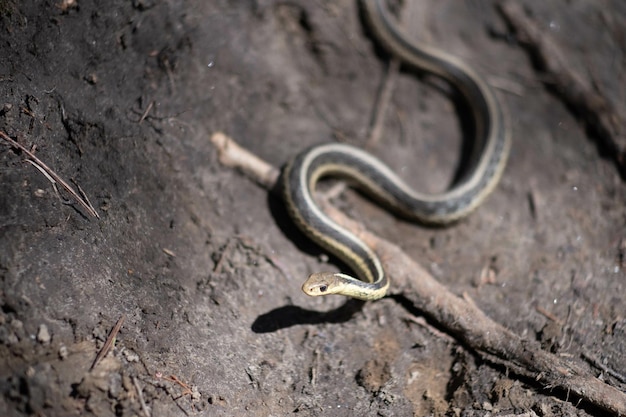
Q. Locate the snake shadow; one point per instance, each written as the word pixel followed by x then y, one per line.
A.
pixel 290 315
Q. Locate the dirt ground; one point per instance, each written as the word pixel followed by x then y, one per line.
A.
pixel 204 265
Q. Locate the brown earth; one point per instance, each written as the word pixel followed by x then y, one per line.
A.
pixel 204 265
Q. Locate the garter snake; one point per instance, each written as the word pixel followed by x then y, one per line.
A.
pixel 485 165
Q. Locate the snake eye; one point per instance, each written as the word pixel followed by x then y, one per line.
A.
pixel 323 288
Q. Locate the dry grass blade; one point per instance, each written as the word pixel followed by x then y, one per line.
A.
pixel 108 343
pixel 52 176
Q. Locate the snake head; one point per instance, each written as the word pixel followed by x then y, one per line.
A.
pixel 322 283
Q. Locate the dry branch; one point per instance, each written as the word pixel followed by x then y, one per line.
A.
pixel 596 111
pixel 459 316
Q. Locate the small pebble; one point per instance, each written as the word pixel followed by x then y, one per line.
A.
pixel 43 334
pixel 131 356
pixel 17 324
pixel 63 352
pixel 195 393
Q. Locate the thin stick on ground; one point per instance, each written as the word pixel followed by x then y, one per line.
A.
pixel 458 316
pixel 598 364
pixel 145 113
pixel 383 99
pixel 52 176
pixel 382 103
pixel 187 390
pixel 597 112
pixel 108 344
pixel 142 402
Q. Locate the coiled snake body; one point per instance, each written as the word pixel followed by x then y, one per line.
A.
pixel 491 148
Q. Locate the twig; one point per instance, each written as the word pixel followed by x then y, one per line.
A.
pixel 169 252
pixel 548 315
pixel 421 321
pixel 231 154
pixel 382 103
pixel 52 176
pixel 186 388
pixel 383 98
pixel 109 342
pixel 145 113
pixel 84 197
pixel 460 317
pixel 595 109
pixel 52 181
pixel 144 407
pixel 225 253
pixel 313 369
pixel 596 362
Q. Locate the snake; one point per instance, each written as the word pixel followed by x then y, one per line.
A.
pixel 485 165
